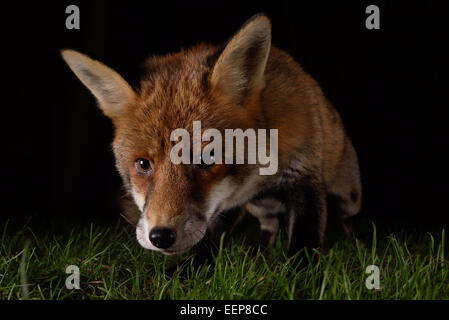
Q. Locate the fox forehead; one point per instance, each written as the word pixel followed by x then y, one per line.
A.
pixel 174 88
pixel 174 92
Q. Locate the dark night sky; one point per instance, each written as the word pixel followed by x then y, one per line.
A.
pixel 387 84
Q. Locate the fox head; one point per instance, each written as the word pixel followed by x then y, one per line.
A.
pixel 220 86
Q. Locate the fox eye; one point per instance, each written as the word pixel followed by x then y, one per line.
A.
pixel 143 166
pixel 204 166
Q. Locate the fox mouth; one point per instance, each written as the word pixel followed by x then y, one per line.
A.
pixel 180 249
pixel 175 251
pixel 192 239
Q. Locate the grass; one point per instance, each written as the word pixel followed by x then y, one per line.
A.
pixel 113 266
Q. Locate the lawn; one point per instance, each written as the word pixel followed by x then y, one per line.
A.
pixel 112 265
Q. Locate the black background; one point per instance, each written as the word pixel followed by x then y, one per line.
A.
pixel 389 85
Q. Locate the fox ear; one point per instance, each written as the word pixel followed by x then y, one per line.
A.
pixel 113 93
pixel 239 70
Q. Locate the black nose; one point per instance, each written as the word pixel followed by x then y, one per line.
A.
pixel 162 237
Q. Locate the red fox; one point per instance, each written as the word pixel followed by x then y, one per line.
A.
pixel 245 83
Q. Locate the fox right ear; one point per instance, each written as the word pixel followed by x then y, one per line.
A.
pixel 239 70
pixel 113 93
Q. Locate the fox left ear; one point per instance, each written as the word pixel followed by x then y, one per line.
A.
pixel 239 70
pixel 113 93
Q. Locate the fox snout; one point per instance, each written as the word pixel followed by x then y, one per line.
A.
pixel 173 239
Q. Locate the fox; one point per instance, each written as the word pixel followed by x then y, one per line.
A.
pixel 244 83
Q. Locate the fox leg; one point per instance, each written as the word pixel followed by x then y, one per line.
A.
pixel 266 210
pixel 306 216
pixel 346 188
